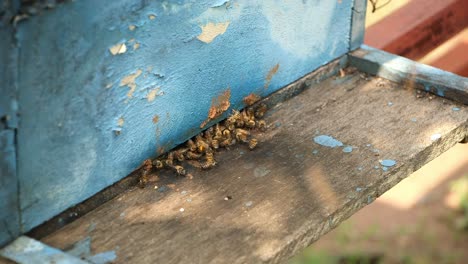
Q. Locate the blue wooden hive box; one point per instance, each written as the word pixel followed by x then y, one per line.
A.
pixel 90 89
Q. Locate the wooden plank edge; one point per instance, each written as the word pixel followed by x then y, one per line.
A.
pixel 413 74
pixel 358 24
pixel 285 93
pixel 311 233
pixel 25 250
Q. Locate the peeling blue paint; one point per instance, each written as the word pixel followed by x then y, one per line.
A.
pixel 327 141
pixel 388 163
pixel 348 149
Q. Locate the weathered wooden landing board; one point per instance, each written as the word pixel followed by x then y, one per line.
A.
pixel 287 192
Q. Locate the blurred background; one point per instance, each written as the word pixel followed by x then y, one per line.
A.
pixel 424 219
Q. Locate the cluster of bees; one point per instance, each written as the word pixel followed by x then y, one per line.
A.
pixel 199 152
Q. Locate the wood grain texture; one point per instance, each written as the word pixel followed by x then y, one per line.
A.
pixel 131 180
pixel 289 191
pixel 414 74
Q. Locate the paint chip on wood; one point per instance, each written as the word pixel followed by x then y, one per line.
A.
pixel 129 81
pixel 136 45
pixel 153 93
pixel 328 141
pixel 119 48
pixel 212 30
pixel 131 27
pixel 121 122
pixel 152 17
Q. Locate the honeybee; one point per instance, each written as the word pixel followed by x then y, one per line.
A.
pixel 226 133
pixel 250 123
pixel 202 145
pixel 250 113
pixel 261 125
pixel 260 111
pixel 231 127
pixel 147 166
pixel 218 132
pixel 253 143
pixel 191 155
pixel 179 154
pixel 158 164
pixel 215 144
pixel 227 142
pixel 208 135
pixel 180 170
pixel 242 134
pixel 191 145
pixel 169 160
pixel 240 122
pixel 209 162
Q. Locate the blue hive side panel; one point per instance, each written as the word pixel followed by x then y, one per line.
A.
pixel 107 84
pixel 9 207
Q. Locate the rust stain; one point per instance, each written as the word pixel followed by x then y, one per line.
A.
pixel 129 81
pixel 270 75
pixel 219 105
pixel 155 119
pixel 251 99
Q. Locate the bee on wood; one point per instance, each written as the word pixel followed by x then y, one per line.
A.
pixel 242 135
pixel 250 123
pixel 208 135
pixel 158 164
pixel 260 111
pixel 245 116
pixel 240 122
pixel 227 142
pixel 169 160
pixel 202 145
pixel 180 170
pixel 146 168
pixel 226 133
pixel 215 144
pixel 209 162
pixel 191 145
pixel 261 125
pixel 191 155
pixel 231 127
pixel 253 143
pixel 218 132
pixel 179 154
pixel 250 113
